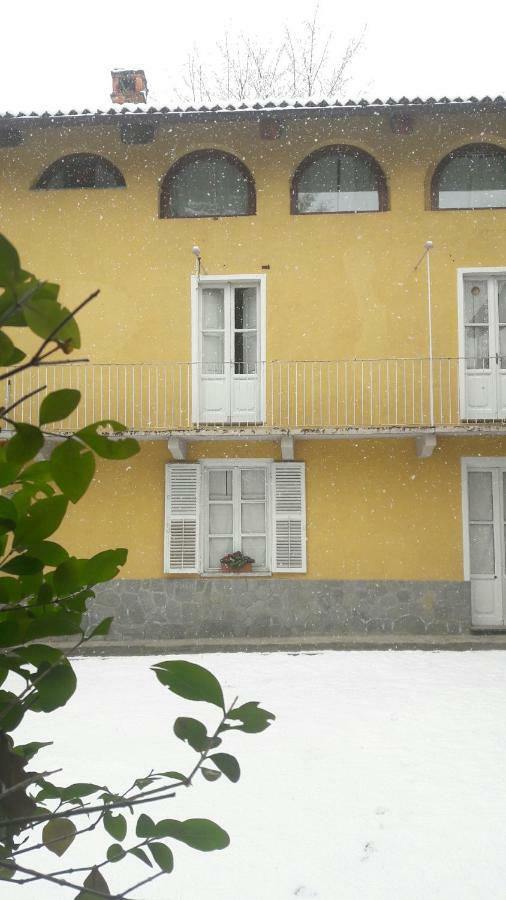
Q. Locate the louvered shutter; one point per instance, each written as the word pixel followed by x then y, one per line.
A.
pixel 289 517
pixel 182 511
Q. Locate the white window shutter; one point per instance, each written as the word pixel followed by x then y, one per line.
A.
pixel 182 513
pixel 289 517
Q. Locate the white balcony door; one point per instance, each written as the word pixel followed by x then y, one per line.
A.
pixel 228 365
pixel 486 524
pixel 483 347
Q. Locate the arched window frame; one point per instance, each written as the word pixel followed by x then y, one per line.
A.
pixel 171 176
pixel 350 150
pixel 438 171
pixel 41 182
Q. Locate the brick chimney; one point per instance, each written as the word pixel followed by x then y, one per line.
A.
pixel 129 86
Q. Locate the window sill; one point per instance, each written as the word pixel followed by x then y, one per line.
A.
pixel 234 575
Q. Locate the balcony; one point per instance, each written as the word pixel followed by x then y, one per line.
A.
pixel 276 399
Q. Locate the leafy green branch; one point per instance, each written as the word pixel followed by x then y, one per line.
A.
pixel 44 592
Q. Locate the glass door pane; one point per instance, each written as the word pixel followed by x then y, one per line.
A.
pixel 245 330
pixel 501 319
pixel 213 331
pixel 476 318
pixel 221 515
pixel 481 523
pixel 253 513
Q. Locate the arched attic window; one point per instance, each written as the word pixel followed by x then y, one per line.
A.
pixel 207 183
pixel 471 177
pixel 80 170
pixel 339 179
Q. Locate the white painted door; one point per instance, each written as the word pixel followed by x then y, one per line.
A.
pixel 229 353
pixel 483 362
pixel 486 489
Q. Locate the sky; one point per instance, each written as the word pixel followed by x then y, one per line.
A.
pixel 59 55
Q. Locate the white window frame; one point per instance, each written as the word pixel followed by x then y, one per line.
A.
pixel 216 281
pixel 206 465
pixel 468 463
pixel 462 274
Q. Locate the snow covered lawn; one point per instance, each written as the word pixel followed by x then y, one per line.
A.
pixel 383 776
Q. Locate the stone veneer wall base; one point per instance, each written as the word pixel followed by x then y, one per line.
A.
pixel 240 607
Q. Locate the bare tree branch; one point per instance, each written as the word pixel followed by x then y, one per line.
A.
pixel 302 62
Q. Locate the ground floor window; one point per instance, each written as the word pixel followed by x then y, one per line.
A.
pixel 217 507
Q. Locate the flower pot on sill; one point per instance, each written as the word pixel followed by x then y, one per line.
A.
pixel 247 567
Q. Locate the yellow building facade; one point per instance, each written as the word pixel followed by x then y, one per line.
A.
pixel 303 318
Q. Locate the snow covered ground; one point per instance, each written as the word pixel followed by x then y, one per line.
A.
pixel 383 776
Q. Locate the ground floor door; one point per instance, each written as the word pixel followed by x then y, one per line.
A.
pixel 486 528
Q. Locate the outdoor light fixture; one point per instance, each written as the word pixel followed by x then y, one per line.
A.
pixel 197 254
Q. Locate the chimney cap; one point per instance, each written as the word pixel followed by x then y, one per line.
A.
pixel 127 70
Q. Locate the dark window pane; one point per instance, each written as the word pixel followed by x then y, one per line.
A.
pixel 80 170
pixel 209 186
pixel 245 307
pixel 473 178
pixel 338 181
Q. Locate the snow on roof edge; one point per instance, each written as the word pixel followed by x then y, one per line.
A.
pixel 261 106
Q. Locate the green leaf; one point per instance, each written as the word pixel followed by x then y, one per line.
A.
pixel 145 828
pixel 58 405
pixel 104 566
pixel 96 882
pixel 10 266
pixel 45 594
pixel 162 856
pixel 102 628
pixel 254 719
pixel 43 315
pixel 78 790
pixel 201 834
pixel 140 854
pixel 190 681
pixel 37 472
pixel 50 553
pixel 142 783
pixel 67 578
pixel 178 776
pixel 115 853
pixel 5 856
pixel 9 353
pixel 115 825
pixel 22 565
pixel 107 447
pixel 211 774
pixel 58 834
pixel 55 688
pixel 8 473
pixel 47 621
pixel 71 469
pixel 11 712
pixel 28 751
pixel 40 521
pixel 10 590
pixel 193 732
pixel 8 514
pixel 25 444
pixel 48 791
pixel 228 765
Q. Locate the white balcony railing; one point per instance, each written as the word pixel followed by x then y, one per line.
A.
pixel 309 394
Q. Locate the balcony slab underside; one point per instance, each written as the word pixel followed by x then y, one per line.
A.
pixel 264 433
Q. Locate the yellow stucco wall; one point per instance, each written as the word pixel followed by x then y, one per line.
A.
pixel 337 286
pixel 344 283
pixel 374 510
